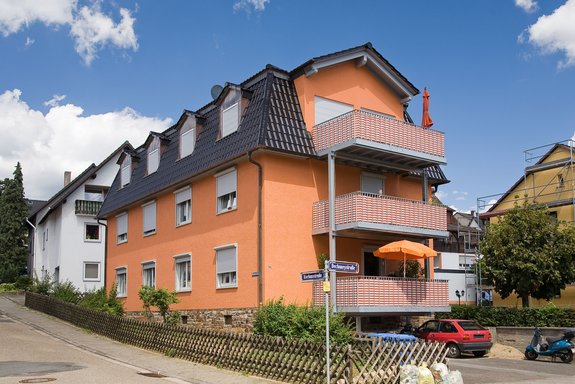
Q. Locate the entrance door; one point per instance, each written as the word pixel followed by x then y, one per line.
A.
pixel 372 266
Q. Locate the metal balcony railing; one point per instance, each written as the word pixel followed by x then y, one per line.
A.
pixel 380 209
pixel 87 207
pixel 376 291
pixel 359 124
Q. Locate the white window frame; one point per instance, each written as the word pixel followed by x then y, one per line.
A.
pixel 230 119
pixel 122 289
pixel 99 239
pixel 226 190
pixel 149 218
pixel 226 276
pixel 153 155
pixel 147 266
pixel 126 171
pixel 187 138
pixel 183 199
pixel 121 236
pixel 180 262
pixel 97 278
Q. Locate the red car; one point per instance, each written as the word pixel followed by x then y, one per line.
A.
pixel 459 335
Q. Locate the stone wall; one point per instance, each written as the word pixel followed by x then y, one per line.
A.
pixel 520 337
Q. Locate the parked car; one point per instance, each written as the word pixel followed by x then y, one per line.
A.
pixel 459 335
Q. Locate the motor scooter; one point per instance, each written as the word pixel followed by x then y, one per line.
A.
pixel 560 347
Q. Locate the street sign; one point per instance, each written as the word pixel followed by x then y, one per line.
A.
pixel 343 266
pixel 312 275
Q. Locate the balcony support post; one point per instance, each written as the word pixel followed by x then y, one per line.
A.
pixel 331 203
pixel 426 263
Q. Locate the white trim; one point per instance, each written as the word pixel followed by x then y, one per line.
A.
pixel 176 204
pixel 153 265
pixel 182 258
pixel 99 239
pixel 155 217
pixel 92 278
pixel 125 240
pixel 221 248
pixel 125 270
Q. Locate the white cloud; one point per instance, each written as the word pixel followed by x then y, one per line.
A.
pixel 16 14
pixel 90 28
pixel 29 41
pixel 555 33
pixel 527 5
pixel 258 5
pixel 54 101
pixel 62 140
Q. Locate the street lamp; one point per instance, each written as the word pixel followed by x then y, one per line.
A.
pixel 459 294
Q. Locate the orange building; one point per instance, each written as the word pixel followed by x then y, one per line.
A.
pixel 233 202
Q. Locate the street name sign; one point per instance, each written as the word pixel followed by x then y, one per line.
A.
pixel 343 266
pixel 312 275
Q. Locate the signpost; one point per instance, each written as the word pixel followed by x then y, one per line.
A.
pixel 318 275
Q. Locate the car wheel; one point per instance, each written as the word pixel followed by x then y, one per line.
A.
pixel 453 350
pixel 566 356
pixel 479 353
pixel 530 355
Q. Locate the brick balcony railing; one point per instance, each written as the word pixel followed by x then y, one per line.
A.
pixel 87 207
pixel 369 126
pixel 377 291
pixel 370 208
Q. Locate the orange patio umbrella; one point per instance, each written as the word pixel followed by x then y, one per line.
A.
pixel 404 250
pixel 426 121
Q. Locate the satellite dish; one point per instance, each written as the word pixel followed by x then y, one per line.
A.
pixel 216 90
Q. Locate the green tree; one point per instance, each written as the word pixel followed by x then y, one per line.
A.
pixel 13 232
pixel 528 252
pixel 160 298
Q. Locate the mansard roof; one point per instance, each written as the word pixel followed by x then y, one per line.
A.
pixel 272 120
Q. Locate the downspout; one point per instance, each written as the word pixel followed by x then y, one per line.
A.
pixel 427 264
pixel 105 249
pixel 260 261
pixel 32 271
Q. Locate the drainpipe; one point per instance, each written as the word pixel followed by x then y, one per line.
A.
pixel 105 249
pixel 32 269
pixel 260 261
pixel 331 209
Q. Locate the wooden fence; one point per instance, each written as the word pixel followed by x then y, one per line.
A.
pixel 294 361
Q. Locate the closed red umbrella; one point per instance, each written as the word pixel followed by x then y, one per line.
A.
pixel 426 121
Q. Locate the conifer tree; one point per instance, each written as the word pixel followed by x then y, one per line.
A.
pixel 13 231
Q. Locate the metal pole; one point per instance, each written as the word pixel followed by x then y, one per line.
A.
pixel 331 209
pixel 326 288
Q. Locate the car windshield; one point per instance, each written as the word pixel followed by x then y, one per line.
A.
pixel 470 325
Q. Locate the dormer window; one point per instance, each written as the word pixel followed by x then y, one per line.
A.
pixel 230 119
pixel 188 137
pixel 126 172
pixel 154 155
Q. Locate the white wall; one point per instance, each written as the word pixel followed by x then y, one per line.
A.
pixel 448 269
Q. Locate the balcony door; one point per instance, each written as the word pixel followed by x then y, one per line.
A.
pixel 372 266
pixel 372 184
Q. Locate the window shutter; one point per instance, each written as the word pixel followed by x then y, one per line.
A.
pixel 126 171
pixel 184 195
pixel 371 184
pixel 188 141
pixel 227 183
pixel 149 217
pixel 326 109
pixel 230 119
pixel 226 260
pixel 91 271
pixel 122 224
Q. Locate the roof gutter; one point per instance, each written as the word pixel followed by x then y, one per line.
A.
pixel 260 256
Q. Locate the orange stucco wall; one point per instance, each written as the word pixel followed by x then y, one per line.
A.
pixel 349 84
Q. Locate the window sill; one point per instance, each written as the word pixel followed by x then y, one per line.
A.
pixel 121 241
pixel 227 286
pixel 92 241
pixel 184 290
pixel 223 211
pixel 119 296
pixel 91 280
pixel 149 233
pixel 183 223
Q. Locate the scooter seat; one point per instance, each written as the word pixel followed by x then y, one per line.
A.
pixel 550 340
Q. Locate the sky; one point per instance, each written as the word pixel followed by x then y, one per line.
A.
pixel 80 77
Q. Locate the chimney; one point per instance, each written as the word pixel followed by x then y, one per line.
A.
pixel 67 177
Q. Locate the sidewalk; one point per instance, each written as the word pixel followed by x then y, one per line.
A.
pixel 176 370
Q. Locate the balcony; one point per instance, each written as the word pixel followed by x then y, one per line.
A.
pixel 359 212
pixel 87 207
pixel 361 136
pixel 390 295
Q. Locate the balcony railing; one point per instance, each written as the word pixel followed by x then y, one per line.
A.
pixel 87 207
pixel 362 207
pixel 386 294
pixel 376 128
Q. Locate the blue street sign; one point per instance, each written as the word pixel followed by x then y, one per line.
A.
pixel 312 275
pixel 343 266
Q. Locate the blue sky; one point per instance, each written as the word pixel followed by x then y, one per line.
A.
pixel 78 78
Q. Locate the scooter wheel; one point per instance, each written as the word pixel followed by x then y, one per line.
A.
pixel 530 355
pixel 566 356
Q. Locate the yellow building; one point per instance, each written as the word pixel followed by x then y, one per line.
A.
pixel 549 179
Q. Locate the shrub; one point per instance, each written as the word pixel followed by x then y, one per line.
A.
pixel 67 292
pixel 23 283
pixel 160 298
pixel 7 287
pixel 42 286
pixel 100 301
pixel 300 322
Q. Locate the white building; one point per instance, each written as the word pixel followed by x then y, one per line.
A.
pixel 69 244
